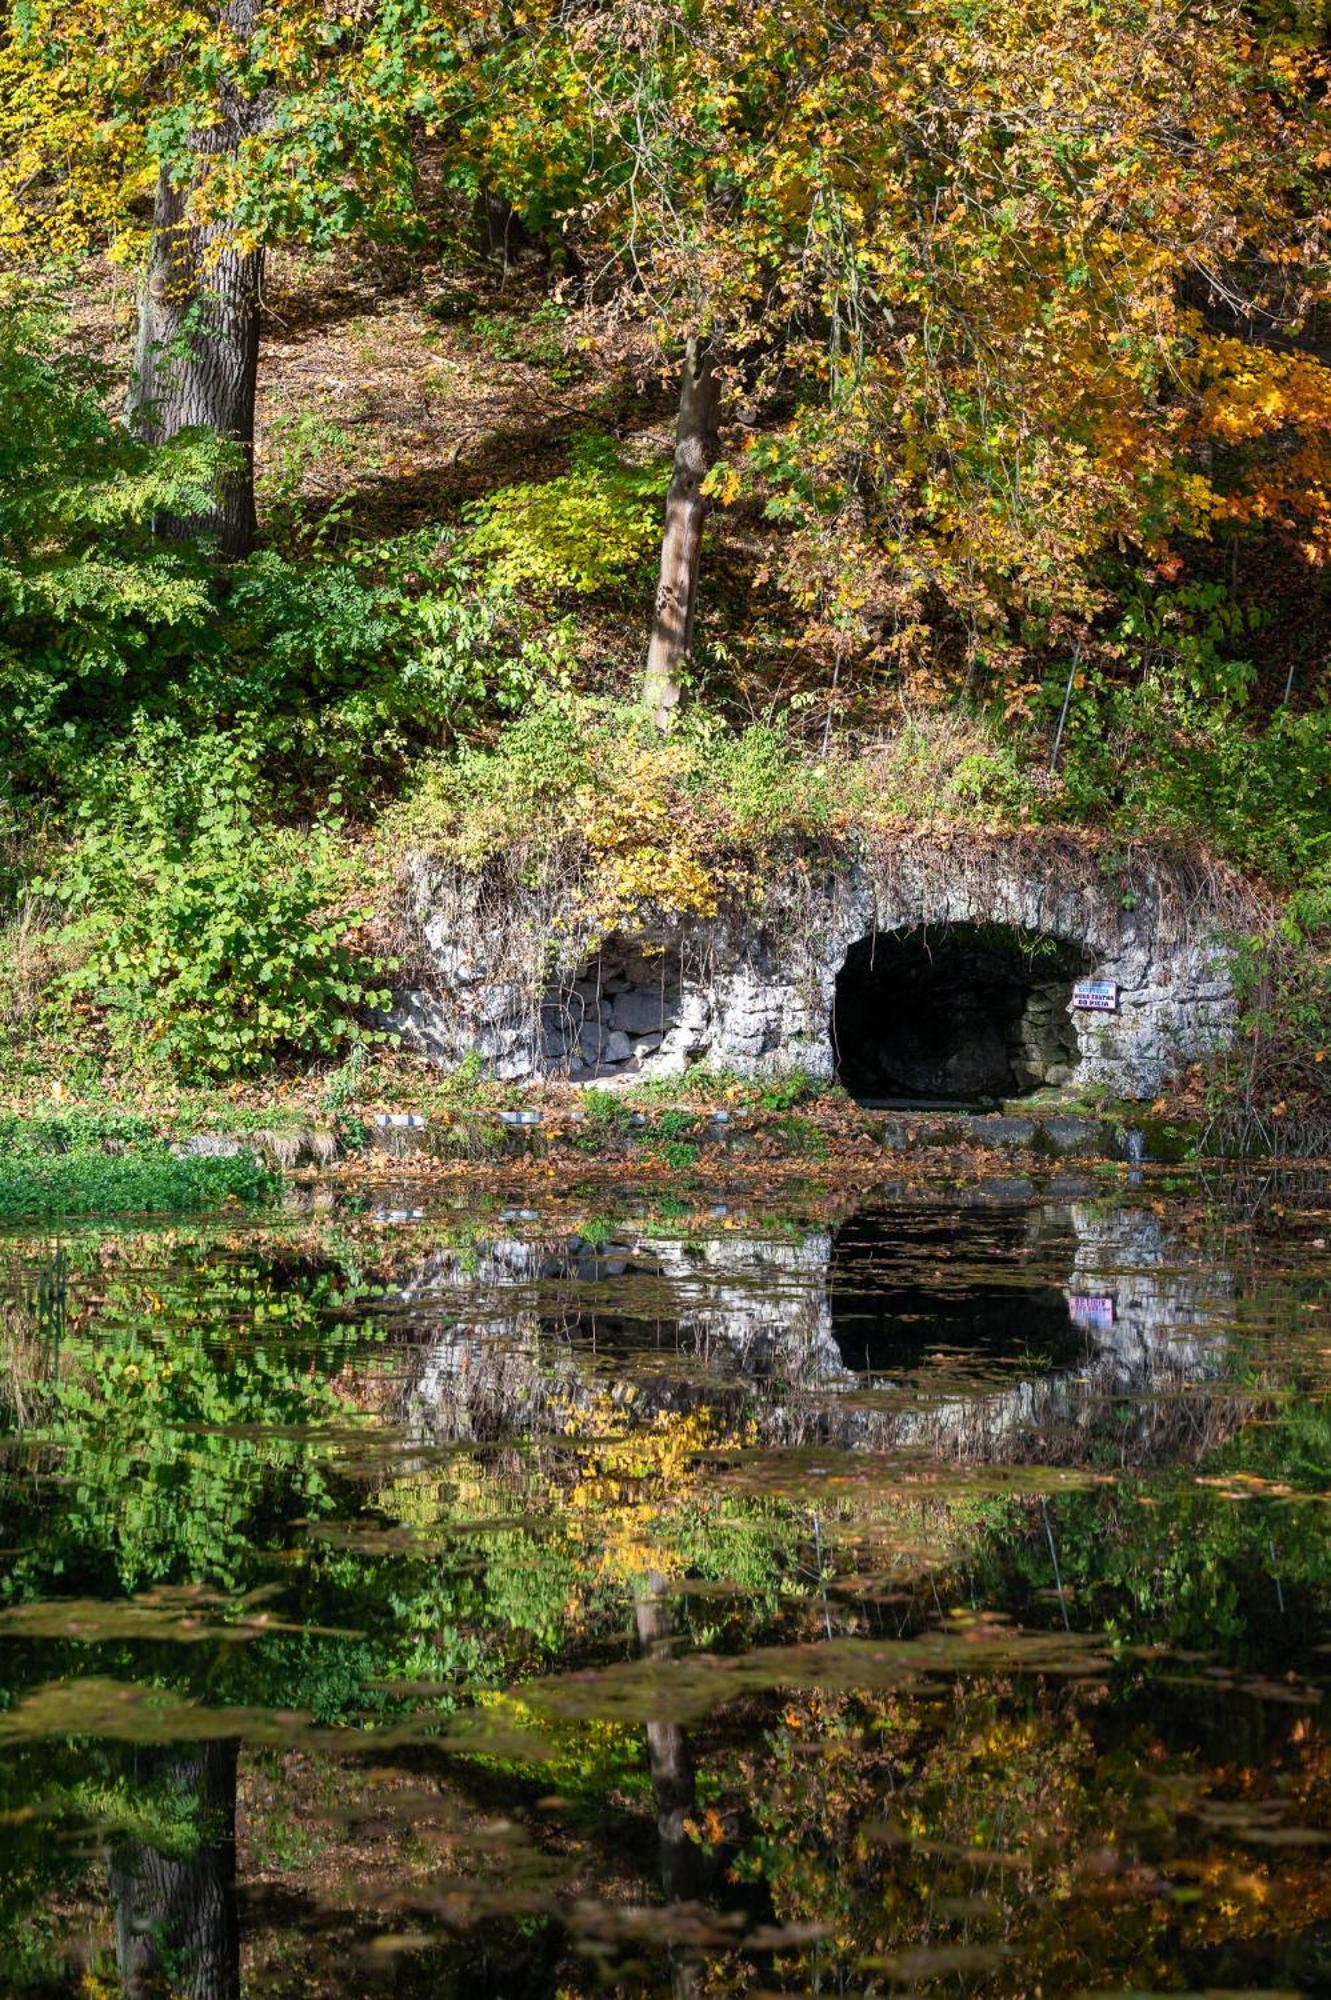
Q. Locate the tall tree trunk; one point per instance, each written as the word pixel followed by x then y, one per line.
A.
pixel 197 353
pixel 681 546
pixel 177 1929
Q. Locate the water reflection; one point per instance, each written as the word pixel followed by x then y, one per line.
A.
pixel 930 1595
pixel 994 1329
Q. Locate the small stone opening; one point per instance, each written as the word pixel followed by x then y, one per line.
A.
pixel 618 1012
pixel 962 1013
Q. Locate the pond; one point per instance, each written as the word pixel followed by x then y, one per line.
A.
pixel 918 1594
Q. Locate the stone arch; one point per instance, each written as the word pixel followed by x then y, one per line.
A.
pixel 1139 926
pixel 616 1010
pixel 756 991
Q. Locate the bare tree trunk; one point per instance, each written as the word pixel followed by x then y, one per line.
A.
pixel 681 546
pixel 177 1928
pixel 197 353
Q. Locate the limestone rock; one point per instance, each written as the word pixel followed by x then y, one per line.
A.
pixel 638 1013
pixel 757 992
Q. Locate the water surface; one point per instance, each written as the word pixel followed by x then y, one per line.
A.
pixel 923 1594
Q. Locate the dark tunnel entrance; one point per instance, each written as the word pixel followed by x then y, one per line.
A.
pixel 962 1014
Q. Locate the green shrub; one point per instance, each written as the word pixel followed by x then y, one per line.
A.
pixel 950 765
pixel 295 442
pixel 783 1093
pixel 339 665
pixel 591 527
pixel 1273 1089
pixel 206 934
pixel 539 338
pixel 1261 798
pixel 48 1134
pixel 633 817
pixel 88 596
pixel 802 1137
pixel 342 668
pixel 606 1113
pixel 675 1124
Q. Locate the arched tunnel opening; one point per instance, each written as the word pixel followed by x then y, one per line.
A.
pixel 958 1014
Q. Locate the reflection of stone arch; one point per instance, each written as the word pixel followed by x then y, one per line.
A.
pixel 753 1312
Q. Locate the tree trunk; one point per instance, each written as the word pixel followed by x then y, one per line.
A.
pixel 177 1929
pixel 197 353
pixel 681 546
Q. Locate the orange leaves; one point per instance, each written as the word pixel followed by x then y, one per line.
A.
pixel 1251 391
pixel 971 238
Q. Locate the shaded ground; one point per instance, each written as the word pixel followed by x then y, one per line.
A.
pixel 390 399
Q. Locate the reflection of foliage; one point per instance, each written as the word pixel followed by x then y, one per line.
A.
pixel 638 1503
pixel 216 1416
pixel 1199 1567
pixel 992 1831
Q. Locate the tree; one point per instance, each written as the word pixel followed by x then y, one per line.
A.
pixel 197 357
pixel 671 644
pixel 986 262
pixel 256 124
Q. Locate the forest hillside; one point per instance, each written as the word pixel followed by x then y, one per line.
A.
pixel 642 445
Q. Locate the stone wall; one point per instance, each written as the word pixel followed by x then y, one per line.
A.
pixel 755 993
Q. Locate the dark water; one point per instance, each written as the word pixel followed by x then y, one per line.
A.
pixel 928 1597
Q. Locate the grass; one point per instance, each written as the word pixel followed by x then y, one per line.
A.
pixel 150 1182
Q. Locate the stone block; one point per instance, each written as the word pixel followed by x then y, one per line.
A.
pixel 616 1047
pixel 766 999
pixel 209 1146
pixel 639 1012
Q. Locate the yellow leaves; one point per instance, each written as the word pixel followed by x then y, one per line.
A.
pixel 633 1491
pixel 1251 390
pixel 724 484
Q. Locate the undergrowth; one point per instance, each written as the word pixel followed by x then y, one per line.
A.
pixel 151 1181
pixel 1271 1092
pixel 212 773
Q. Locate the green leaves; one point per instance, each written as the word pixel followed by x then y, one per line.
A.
pixel 205 934
pixel 151 1181
pixel 575 535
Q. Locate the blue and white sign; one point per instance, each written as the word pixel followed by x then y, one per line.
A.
pixel 1091 1309
pixel 1096 996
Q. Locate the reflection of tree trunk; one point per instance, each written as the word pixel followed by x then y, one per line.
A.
pixel 673 1784
pixel 198 343
pixel 177 1931
pixel 681 546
